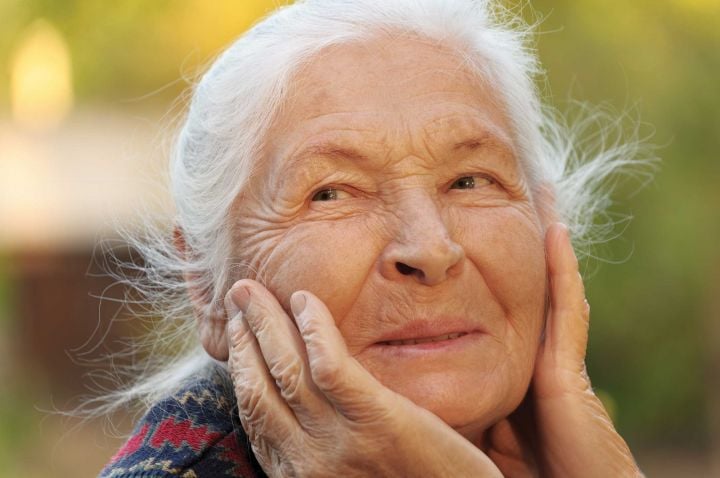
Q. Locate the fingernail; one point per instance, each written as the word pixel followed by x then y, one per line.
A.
pixel 241 297
pixel 297 303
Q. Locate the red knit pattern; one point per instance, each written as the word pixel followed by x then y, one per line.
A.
pixel 184 431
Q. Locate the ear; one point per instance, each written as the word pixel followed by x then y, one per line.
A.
pixel 211 319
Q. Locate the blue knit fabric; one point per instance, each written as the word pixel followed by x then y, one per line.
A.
pixel 192 434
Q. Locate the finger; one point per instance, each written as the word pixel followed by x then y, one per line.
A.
pixel 353 391
pixel 567 327
pixel 263 413
pixel 283 351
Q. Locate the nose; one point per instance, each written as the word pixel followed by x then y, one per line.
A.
pixel 423 249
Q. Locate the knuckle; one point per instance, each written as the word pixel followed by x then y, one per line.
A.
pixel 241 372
pixel 262 306
pixel 327 375
pixel 312 330
pixel 240 339
pixel 288 378
pixel 256 315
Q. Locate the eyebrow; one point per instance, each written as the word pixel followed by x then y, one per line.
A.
pixel 332 150
pixel 486 140
pixel 335 151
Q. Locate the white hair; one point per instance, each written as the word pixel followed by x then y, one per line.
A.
pixel 235 101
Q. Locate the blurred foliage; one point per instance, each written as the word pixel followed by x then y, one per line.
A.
pixel 18 428
pixel 659 58
pixel 124 51
pixel 649 343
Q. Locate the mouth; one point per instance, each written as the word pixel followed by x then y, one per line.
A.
pixel 428 346
pixel 430 338
pixel 424 340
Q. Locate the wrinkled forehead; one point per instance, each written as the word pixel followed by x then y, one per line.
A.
pixel 382 69
pixel 369 87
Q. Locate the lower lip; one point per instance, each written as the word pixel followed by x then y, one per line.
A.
pixel 441 346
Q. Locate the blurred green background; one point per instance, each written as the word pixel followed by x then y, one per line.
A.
pixel 85 91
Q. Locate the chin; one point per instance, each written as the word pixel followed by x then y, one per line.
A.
pixel 461 400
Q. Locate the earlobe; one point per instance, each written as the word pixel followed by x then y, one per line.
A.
pixel 213 334
pixel 211 321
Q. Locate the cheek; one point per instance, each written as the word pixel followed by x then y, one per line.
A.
pixel 506 248
pixel 330 259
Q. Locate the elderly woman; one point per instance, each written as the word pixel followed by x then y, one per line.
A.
pixel 368 237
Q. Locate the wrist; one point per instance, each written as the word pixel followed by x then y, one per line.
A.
pixel 579 438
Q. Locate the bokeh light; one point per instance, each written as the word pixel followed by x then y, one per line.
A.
pixel 41 92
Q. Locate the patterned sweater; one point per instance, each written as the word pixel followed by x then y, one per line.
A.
pixel 192 434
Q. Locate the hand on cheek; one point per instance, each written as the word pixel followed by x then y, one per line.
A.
pixel 560 364
pixel 575 434
pixel 310 409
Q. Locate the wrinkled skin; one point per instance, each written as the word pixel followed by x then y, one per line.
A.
pixel 390 193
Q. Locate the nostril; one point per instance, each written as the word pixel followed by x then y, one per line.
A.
pixel 404 269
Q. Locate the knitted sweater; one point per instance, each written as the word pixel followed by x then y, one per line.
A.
pixel 192 434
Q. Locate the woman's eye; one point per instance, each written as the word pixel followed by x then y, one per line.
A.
pixel 325 195
pixel 470 182
pixel 329 194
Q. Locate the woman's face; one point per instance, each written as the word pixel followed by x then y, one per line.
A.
pixel 389 188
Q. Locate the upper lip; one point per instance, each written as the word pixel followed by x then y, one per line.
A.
pixel 422 329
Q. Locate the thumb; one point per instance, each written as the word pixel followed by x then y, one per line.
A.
pixel 562 355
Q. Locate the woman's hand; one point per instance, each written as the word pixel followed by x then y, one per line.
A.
pixel 567 426
pixel 310 409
